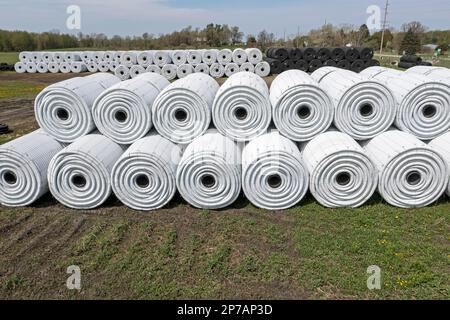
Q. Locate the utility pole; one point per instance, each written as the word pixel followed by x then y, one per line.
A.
pixel 384 26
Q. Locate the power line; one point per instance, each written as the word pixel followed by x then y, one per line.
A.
pixel 384 26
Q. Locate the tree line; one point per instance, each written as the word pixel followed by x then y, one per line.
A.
pixel 409 38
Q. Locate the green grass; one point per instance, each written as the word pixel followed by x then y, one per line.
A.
pixel 9 57
pixel 19 89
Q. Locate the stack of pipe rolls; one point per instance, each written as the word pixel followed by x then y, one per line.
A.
pixel 124 111
pixel 63 109
pixel 273 174
pixel 182 110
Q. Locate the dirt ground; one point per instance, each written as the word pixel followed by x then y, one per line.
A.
pixel 180 252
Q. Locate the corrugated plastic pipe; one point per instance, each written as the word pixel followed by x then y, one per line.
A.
pixel 441 145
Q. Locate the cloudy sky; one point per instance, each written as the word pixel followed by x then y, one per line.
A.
pixel 134 17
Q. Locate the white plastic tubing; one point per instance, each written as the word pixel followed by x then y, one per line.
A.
pixel 79 176
pixel 144 177
pixel 182 111
pixel 364 107
pixel 441 144
pixel 124 111
pixel 423 103
pixel 241 108
pixel 274 176
pixel 63 109
pixel 209 173
pixel 411 174
pixel 301 108
pixel 341 174
pixel 435 73
pixel 23 168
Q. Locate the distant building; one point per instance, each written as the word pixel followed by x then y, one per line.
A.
pixel 430 47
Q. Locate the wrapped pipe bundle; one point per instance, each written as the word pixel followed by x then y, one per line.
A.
pixel 42 67
pixel 363 107
pixel 210 56
pixel 153 69
pixel 117 56
pixel 194 57
pixel 144 177
pixel 341 174
pixel 93 67
pixel 231 69
pixel 202 68
pixel 58 57
pixel 239 56
pixel 169 71
pixel 247 67
pixel 86 56
pixel 225 56
pixel 64 67
pixel 103 66
pixel 79 176
pixel 108 56
pixel 337 54
pixel 179 57
pixel 301 109
pixel 20 67
pixel 262 69
pixel 23 168
pixel 31 67
pixel 25 56
pixel 97 56
pixel 112 66
pixel 72 56
pixel 53 67
pixel 136 70
pixel 209 172
pixel 254 55
pixel 182 111
pixel 241 108
pixel 423 103
pixel 78 67
pixel 216 70
pixel 123 111
pixel 323 54
pixel 440 74
pixel 47 57
pixel 441 145
pixel 63 109
pixel 274 176
pixel 122 72
pixel 145 58
pixel 411 174
pixel 184 70
pixel 128 59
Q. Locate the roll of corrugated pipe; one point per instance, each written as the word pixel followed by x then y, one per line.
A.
pixel 301 109
pixel 47 57
pixel 58 57
pixel 440 74
pixel 64 67
pixel 184 70
pixel 411 174
pixel 423 103
pixel 182 111
pixel 357 65
pixel 280 54
pixel 23 168
pixel 79 176
pixel 93 67
pixel 231 69
pixel 225 56
pixel 254 55
pixel 337 54
pixel 112 66
pixel 202 68
pixel 41 67
pixel 153 69
pixel 216 70
pixel 364 107
pixel 128 59
pixel 144 177
pixel 341 174
pixel 63 109
pixel 441 145
pixel 169 71
pixel 31 67
pixel 179 57
pixel 275 65
pixel 20 67
pixel 365 53
pixel 314 65
pixel 344 64
pixel 301 65
pixel 210 56
pixel 241 108
pixel 108 56
pixel 78 67
pixel 194 57
pixel 351 54
pixel 122 72
pixel 53 67
pixel 239 56
pixel 309 54
pixel 295 54
pixel 136 70
pixel 247 67
pixel 209 173
pixel 145 58
pixel 262 69
pixel 274 176
pixel 323 54
pixel 123 111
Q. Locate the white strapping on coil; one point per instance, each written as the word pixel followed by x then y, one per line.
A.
pixel 144 178
pixel 209 173
pixel 411 174
pixel 341 174
pixel 242 109
pixel 23 168
pixel 79 176
pixel 63 109
pixel 124 111
pixel 423 103
pixel 182 111
pixel 274 176
pixel 301 109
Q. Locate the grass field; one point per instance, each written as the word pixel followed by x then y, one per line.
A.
pixel 306 252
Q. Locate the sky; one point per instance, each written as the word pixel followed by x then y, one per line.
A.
pixel 282 17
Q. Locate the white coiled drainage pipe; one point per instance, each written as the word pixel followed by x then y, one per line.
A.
pixel 254 55
pixel 363 107
pixel 341 174
pixel 179 57
pixel 216 70
pixel 78 67
pixel 239 56
pixel 144 178
pixel 182 111
pixel 20 67
pixel 241 108
pixel 161 58
pixel 435 73
pixel 169 71
pixel 53 67
pixel 301 109
pixel 31 67
pixel 136 71
pixel 210 56
pixel 128 59
pixel 202 68
pixel 225 56
pixel 411 174
pixel 79 176
pixel 184 70
pixel 23 168
pixel 122 72
pixel 145 58
pixel 274 176
pixel 63 109
pixel 103 66
pixel 209 173
pixel 247 67
pixel 93 67
pixel 42 67
pixel 262 69
pixel 231 69
pixel 124 111
pixel 442 145
pixel 153 69
pixel 423 103
pixel 194 57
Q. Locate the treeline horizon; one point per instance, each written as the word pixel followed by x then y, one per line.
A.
pixel 216 36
